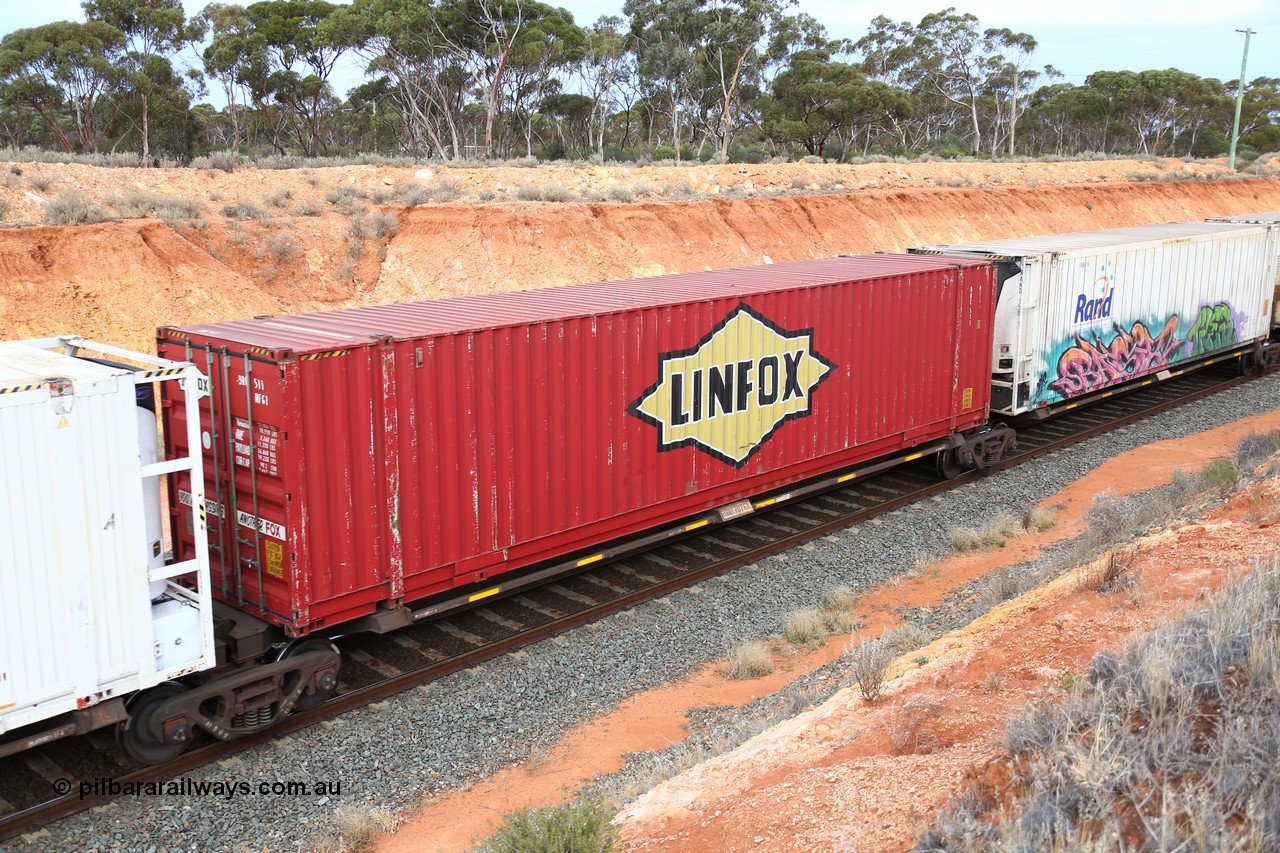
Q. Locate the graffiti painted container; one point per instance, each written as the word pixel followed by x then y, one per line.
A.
pixel 1080 312
pixel 361 458
pixel 1272 219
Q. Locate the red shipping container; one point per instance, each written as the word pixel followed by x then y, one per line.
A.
pixel 380 455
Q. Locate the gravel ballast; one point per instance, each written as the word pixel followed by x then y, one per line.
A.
pixel 471 724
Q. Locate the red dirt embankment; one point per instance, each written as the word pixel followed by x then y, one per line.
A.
pixel 444 251
pixel 119 280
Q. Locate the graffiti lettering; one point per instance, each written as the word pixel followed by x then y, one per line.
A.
pixel 1214 329
pixel 1093 364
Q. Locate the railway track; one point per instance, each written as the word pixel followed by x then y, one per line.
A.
pixel 375 667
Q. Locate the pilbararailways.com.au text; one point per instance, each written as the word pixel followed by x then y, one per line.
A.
pixel 226 789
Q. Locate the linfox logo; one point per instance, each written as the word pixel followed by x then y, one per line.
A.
pixel 1099 306
pixel 734 389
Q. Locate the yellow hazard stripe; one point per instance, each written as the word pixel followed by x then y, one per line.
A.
pixel 846 478
pixel 312 356
pixel 485 594
pixel 6 707
pixel 912 457
pixel 766 502
pixel 18 389
pixel 166 371
pixel 258 350
pixel 696 525
pixel 593 559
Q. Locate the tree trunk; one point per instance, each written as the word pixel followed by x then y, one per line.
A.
pixel 146 133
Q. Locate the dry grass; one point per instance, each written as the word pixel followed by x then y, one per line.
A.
pixel 804 627
pixel 1169 745
pixel 358 826
pixel 750 660
pixel 997 532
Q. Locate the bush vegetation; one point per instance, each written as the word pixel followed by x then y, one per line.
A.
pixel 581 826
pixel 70 208
pixel 1169 745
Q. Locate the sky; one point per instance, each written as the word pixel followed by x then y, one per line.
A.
pixel 1077 38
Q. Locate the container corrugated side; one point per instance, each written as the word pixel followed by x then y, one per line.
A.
pixel 1078 313
pixel 404 467
pixel 1272 219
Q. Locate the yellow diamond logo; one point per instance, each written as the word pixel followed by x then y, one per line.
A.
pixel 734 389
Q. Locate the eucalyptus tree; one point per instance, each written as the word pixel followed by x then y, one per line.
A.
pixel 236 56
pixel 549 46
pixel 604 70
pixel 153 31
pixel 415 46
pixel 817 98
pixel 61 71
pixel 299 33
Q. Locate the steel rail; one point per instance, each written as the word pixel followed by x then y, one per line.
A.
pixel 38 816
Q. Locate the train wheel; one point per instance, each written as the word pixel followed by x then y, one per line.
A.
pixel 309 701
pixel 947 466
pixel 134 734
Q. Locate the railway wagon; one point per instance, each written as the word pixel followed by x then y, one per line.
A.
pixel 360 460
pixel 90 611
pixel 1083 312
pixel 1272 219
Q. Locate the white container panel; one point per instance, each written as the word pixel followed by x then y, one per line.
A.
pixel 76 616
pixel 71 611
pixel 1100 308
pixel 1272 219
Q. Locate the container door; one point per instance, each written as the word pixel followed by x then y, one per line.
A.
pixel 242 438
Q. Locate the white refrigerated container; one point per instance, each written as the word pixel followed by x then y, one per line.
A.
pixel 1078 313
pixel 89 610
pixel 1273 219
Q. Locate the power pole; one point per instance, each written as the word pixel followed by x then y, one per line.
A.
pixel 1235 126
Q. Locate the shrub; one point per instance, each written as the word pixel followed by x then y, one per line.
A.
pixel 375 226
pixel 69 208
pixel 342 195
pixel 621 194
pixel 280 198
pixel 1110 572
pixel 556 192
pixel 160 206
pixel 4 206
pixel 1173 739
pixel 804 626
pixel 906 638
pixel 582 826
pixel 283 246
pixel 529 192
pixel 243 210
pixel 224 160
pixel 1255 448
pixel 750 660
pixel 1220 475
pixel 869 663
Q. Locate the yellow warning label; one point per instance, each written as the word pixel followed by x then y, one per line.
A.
pixel 63 423
pixel 967 401
pixel 275 559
